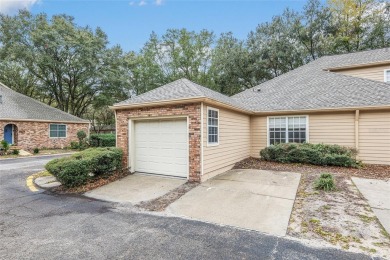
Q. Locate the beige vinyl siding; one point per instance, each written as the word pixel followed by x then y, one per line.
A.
pixel 332 128
pixel 374 137
pixel 234 142
pixel 374 72
pixel 329 128
pixel 258 134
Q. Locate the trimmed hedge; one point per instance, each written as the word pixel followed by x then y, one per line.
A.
pixel 317 154
pixel 102 140
pixel 78 168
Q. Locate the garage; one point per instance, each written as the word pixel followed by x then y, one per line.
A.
pixel 161 147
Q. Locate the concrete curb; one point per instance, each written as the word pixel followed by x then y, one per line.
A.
pixel 46 182
pixel 37 156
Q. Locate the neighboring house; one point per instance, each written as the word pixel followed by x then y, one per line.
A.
pixel 184 129
pixel 30 124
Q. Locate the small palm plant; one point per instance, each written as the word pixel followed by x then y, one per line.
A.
pixel 5 145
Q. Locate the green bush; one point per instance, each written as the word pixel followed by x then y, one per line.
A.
pixel 317 154
pixel 325 182
pixel 78 168
pixel 15 152
pixel 74 145
pixel 102 140
pixel 5 145
pixel 36 150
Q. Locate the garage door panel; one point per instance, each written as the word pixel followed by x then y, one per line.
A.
pixel 161 147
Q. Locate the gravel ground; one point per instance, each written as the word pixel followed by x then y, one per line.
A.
pixel 342 217
pixel 161 203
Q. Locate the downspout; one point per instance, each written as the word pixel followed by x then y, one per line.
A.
pixel 116 130
pixel 357 115
pixel 201 138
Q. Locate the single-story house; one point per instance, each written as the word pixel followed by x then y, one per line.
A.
pixel 184 129
pixel 30 124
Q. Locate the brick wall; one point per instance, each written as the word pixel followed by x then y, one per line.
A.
pixel 190 110
pixel 30 135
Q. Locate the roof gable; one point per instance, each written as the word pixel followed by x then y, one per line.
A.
pixel 313 87
pixel 16 106
pixel 177 90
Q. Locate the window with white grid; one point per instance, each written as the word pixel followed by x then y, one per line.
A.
pixel 287 129
pixel 387 76
pixel 212 126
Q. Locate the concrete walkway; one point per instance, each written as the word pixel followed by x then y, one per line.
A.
pixel 377 193
pixel 136 188
pixel 251 199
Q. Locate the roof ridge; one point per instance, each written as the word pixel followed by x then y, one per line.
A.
pixel 357 78
pixel 350 53
pixel 191 86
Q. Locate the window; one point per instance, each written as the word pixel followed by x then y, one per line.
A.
pixel 292 129
pixel 387 76
pixel 57 130
pixel 212 126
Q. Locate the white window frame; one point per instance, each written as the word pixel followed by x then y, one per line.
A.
pixel 385 75
pixel 307 127
pixel 207 118
pixel 66 131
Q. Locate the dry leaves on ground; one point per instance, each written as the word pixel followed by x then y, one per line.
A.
pixel 343 217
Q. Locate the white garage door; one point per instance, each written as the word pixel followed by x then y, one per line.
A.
pixel 161 147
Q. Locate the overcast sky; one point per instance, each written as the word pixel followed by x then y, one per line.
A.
pixel 130 22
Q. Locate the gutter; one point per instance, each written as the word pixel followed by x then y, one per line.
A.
pixel 180 101
pixel 336 109
pixel 44 121
pixel 245 111
pixel 361 65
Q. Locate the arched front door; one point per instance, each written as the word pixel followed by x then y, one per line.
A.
pixel 9 133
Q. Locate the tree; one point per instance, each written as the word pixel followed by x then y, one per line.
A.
pixel 174 55
pixel 355 20
pixel 274 45
pixel 69 64
pixel 313 28
pixel 232 66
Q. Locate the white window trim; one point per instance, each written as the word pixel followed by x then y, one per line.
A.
pixel 207 118
pixel 385 76
pixel 66 131
pixel 307 127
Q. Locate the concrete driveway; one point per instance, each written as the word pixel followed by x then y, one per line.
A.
pixel 251 199
pixel 136 188
pixel 41 225
pixel 377 193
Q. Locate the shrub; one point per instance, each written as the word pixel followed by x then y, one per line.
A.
pixel 102 140
pixel 36 150
pixel 5 145
pixel 325 182
pixel 74 145
pixel 317 154
pixel 15 152
pixel 78 168
pixel 81 135
pixel 69 172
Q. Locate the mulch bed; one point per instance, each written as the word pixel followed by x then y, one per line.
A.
pixel 161 203
pixel 370 171
pixel 93 183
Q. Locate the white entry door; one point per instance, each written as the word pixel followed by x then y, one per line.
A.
pixel 161 147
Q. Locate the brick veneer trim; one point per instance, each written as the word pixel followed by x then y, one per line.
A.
pixel 193 113
pixel 30 135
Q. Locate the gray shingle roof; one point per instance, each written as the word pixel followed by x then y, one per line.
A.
pixel 311 87
pixel 181 89
pixel 308 87
pixel 17 106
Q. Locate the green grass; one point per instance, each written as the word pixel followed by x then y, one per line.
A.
pixel 325 182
